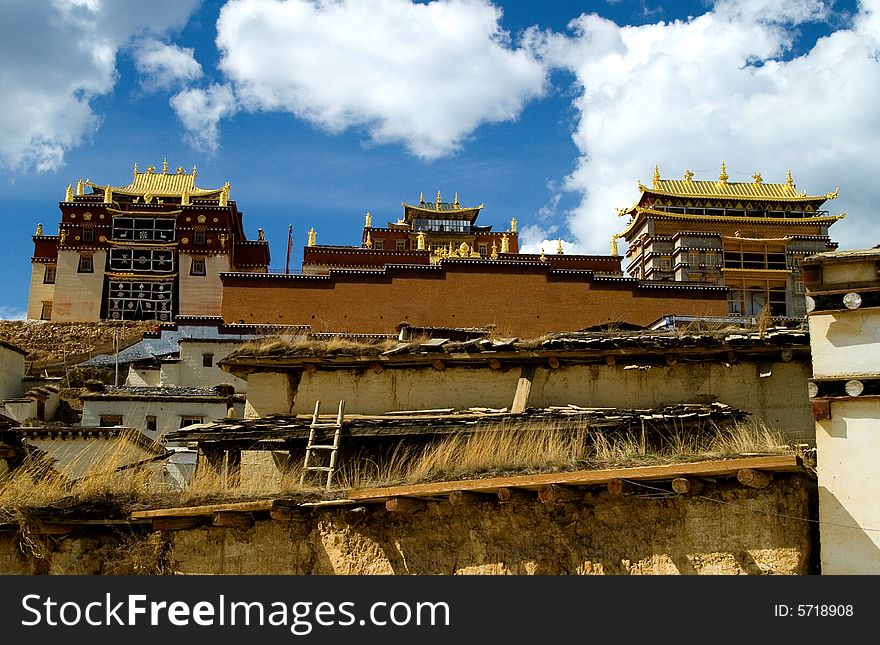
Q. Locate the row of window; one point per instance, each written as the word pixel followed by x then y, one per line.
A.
pixel 400 245
pixel 442 225
pixel 125 260
pixel 737 212
pixel 150 424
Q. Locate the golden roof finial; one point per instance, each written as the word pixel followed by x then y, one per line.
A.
pixel 80 187
pixel 455 203
pixel 438 199
pixel 68 194
pixel 757 177
pixel 420 241
pixel 368 242
pixel 135 169
pixel 505 244
pixel 543 257
pixel 108 195
pixel 165 166
pixel 195 174
pixel 723 177
pixel 151 170
pixel 39 229
pixel 224 194
pixel 688 175
pixel 789 180
pixel 614 250
pixel 180 170
pixel 368 222
pixel 312 237
pixel 559 247
pixel 656 176
pixel 494 254
pixel 421 197
pixel 513 225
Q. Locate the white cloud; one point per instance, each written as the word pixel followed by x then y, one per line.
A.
pixel 691 94
pixel 12 313
pixel 423 75
pixel 57 56
pixel 163 66
pixel 201 110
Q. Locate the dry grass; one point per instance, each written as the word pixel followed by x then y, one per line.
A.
pixel 502 449
pixel 302 346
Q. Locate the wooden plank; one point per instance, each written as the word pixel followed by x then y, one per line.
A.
pixel 177 523
pixel 523 389
pixel 721 467
pixel 207 510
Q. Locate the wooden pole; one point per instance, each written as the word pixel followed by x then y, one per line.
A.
pixel 515 495
pixel 233 520
pixel 405 505
pixel 754 478
pixel 463 497
pixel 619 487
pixel 554 494
pixel 523 389
pixel 687 485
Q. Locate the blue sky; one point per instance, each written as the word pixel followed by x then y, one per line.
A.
pixel 550 112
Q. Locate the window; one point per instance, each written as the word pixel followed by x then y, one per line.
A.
pixel 207 360
pixel 46 311
pixel 110 420
pixel 379 245
pixel 664 264
pixel 150 423
pixel 49 274
pixel 483 249
pixel 798 286
pixel 711 260
pixel 199 237
pixel 143 229
pixel 188 421
pixel 693 259
pixel 197 267
pixel 400 245
pixel 86 264
pixel 88 234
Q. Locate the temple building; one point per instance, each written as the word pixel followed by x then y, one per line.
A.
pixel 151 250
pixel 749 236
pixel 427 233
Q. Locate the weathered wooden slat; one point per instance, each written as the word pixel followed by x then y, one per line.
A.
pixel 207 510
pixel 178 523
pixel 721 467
pixel 523 389
pixel 233 519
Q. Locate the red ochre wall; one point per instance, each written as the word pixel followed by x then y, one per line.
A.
pixel 524 301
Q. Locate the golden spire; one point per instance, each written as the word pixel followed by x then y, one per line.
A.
pixel 135 170
pixel 723 177
pixel 68 194
pixel 180 170
pixel 513 225
pixel 421 241
pixel 79 187
pixel 421 197
pixel 543 257
pixel 656 181
pixel 165 166
pixel 559 247
pixel 757 177
pixel 312 237
pixel 368 243
pixel 39 229
pixel 195 174
pixel 494 254
pixel 438 199
pixel 614 250
pixel 505 244
pixel 455 203
pixel 108 195
pixel 260 235
pixel 368 221
pixel 224 194
pixel 789 180
pixel 688 175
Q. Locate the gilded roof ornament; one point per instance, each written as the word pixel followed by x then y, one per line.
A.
pixel 543 257
pixel 656 176
pixel 368 242
pixel 505 244
pixel 180 170
pixel 420 241
pixel 559 247
pixel 260 235
pixel 757 177
pixel 494 254
pixel 723 177
pixel 513 225
pixel 368 221
pixel 614 250
pixel 788 180
pixel 689 175
pixel 438 198
pixel 39 229
pixel 80 189
pixel 194 173
pixel 165 166
pixel 833 194
pixel 151 170
pixel 312 237
pixel 108 195
pixel 68 194
pixel 455 203
pixel 421 197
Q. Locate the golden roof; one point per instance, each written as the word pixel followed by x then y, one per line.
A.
pixel 163 184
pixel 724 189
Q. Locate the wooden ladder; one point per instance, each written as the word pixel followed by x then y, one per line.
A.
pixel 316 432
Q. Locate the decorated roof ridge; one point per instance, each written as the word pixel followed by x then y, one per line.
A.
pixel 158 184
pixel 722 188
